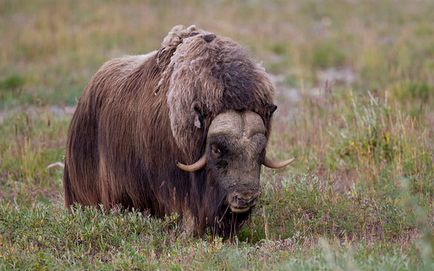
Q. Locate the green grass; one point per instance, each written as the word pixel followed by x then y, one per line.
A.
pixel 358 197
pixel 47 236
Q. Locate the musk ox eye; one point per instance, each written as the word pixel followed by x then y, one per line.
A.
pixel 215 150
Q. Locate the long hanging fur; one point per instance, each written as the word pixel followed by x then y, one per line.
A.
pixel 138 116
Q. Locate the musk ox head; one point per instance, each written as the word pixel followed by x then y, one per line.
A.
pixel 220 107
pixel 234 153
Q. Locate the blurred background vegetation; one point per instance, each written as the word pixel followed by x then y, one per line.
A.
pixel 355 90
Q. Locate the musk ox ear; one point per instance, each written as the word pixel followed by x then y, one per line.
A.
pixel 270 108
pixel 200 115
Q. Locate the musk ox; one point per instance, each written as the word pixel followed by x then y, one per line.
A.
pixel 179 130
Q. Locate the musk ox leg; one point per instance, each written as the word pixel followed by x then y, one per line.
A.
pixel 67 188
pixel 104 184
pixel 81 165
pixel 72 195
pixel 188 224
pixel 113 191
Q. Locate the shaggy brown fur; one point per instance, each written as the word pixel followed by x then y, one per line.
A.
pixel 139 115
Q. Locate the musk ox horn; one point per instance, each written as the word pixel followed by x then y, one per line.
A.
pixel 195 166
pixel 277 164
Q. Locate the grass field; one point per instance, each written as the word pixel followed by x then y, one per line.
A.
pixel 355 90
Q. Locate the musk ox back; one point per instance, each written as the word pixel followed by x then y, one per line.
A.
pixel 198 100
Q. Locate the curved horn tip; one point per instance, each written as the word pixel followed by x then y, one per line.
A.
pixel 277 164
pixel 193 167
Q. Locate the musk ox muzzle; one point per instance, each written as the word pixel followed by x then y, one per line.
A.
pixel 242 202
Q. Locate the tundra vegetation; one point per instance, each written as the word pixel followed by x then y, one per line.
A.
pixel 355 96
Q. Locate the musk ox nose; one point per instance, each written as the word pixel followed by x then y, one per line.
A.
pixel 242 202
